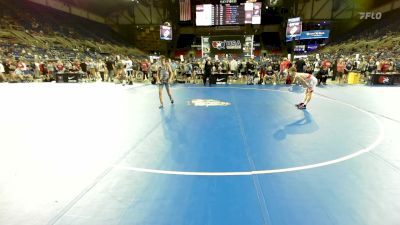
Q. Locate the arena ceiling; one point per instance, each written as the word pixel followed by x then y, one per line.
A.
pixel 106 7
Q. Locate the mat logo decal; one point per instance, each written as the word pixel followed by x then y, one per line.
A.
pixel 208 102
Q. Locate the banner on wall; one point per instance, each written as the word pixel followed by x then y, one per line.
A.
pixel 165 33
pixel 227 45
pixel 294 28
pixel 311 34
pixel 314 34
pixel 299 48
pixel 312 47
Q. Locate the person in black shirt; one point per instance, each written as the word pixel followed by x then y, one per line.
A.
pixel 83 66
pixel 110 67
pixel 207 72
pixel 334 69
pixel 276 68
pixel 348 67
pixel 250 71
pixel 7 67
pixel 300 65
pixel 322 76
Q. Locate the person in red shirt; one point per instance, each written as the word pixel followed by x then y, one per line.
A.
pixel 340 69
pixel 326 64
pixel 42 68
pixel 144 66
pixel 385 66
pixel 284 67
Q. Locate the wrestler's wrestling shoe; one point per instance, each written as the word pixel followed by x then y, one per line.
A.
pixel 302 107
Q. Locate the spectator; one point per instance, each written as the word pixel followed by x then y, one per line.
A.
pixel 91 70
pixel 234 68
pixel 110 65
pixel 2 76
pixel 120 75
pixel 322 75
pixel 250 71
pixel 284 67
pixel 340 70
pixel 128 67
pixel 144 66
pixel 300 65
pixel 60 67
pixel 207 72
pixel 101 67
pixel 270 74
pixel 83 67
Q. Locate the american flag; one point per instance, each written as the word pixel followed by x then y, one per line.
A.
pixel 185 10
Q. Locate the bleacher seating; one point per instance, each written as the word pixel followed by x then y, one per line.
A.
pixel 44 31
pixel 370 36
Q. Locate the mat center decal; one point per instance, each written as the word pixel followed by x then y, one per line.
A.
pixel 208 102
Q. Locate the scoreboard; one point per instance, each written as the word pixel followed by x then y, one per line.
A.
pixel 228 14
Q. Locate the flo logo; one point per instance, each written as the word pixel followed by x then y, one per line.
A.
pixel 218 45
pixel 208 102
pixel 370 15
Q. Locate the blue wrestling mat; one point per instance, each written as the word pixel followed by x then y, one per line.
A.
pixel 235 155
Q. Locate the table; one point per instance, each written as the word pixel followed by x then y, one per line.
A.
pixel 220 78
pixel 353 77
pixel 385 78
pixel 68 77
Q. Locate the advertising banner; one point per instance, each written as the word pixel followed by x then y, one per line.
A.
pixel 226 44
pixel 238 45
pixel 312 47
pixel 314 34
pixel 165 33
pixel 310 34
pixel 293 30
pixel 299 48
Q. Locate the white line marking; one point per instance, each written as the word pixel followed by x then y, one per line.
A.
pixel 283 170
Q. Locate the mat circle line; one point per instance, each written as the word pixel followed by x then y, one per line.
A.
pixel 270 171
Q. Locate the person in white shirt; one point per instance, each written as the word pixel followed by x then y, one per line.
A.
pixel 91 67
pixel 1 68
pixel 101 67
pixel 2 71
pixel 310 82
pixel 234 68
pixel 128 67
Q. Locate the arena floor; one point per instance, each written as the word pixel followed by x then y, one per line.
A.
pixel 104 154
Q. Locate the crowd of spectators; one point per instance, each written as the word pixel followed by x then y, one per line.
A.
pixel 126 69
pixel 34 45
pixel 22 60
